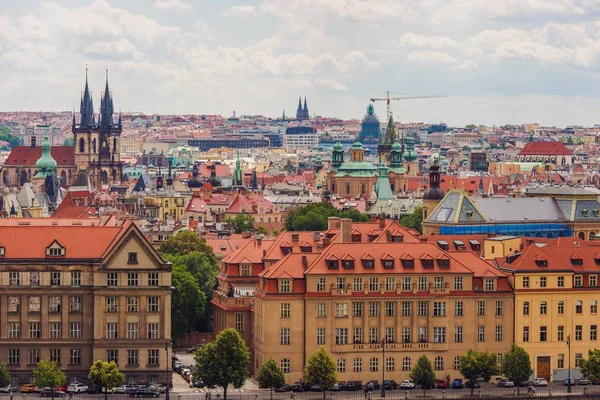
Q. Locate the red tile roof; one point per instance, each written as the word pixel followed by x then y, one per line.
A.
pixel 27 156
pixel 544 148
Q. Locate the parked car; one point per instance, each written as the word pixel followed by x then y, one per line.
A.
pixel 77 388
pixel 567 381
pixel 389 385
pixel 198 383
pixel 441 384
pixel 284 388
pixel 540 382
pixel 316 388
pixel 406 384
pixel 47 392
pixel 123 389
pixel 300 387
pixel 143 392
pixel 472 384
pixel 526 384
pixel 372 385
pixel 353 385
pixel 457 384
pixel 338 387
pixel 583 381
pixel 190 349
pixel 27 388
pixel 9 389
pixel 506 383
pixel 93 389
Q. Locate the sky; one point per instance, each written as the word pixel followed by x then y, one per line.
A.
pixel 498 61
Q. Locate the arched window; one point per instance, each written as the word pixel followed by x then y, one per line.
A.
pixel 23 178
pixel 285 365
pixel 374 364
pixel 94 145
pixel 82 145
pixel 457 363
pixel 390 364
pixel 406 364
pixel 438 363
pixel 543 308
pixel 114 149
pixel 581 235
pixel 63 178
pixel 363 189
pixel 526 308
pixel 347 188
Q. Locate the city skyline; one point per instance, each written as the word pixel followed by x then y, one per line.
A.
pixel 499 62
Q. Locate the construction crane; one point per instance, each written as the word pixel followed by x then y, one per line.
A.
pixel 388 99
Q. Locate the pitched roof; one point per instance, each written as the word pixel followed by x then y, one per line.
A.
pixel 544 149
pixel 27 156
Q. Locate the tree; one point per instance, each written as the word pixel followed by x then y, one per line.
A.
pixel 313 217
pixel 240 223
pixel 47 374
pixel 516 365
pixel 270 376
pixel 4 375
pixel 105 375
pixel 478 363
pixel 186 242
pixel 321 370
pixel 188 302
pixel 590 368
pixel 422 374
pixel 224 361
pixel 413 220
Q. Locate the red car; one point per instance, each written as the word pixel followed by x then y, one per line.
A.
pixel 441 384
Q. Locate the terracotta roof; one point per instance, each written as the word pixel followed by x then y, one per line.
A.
pixel 544 148
pixel 27 156
pixel 556 258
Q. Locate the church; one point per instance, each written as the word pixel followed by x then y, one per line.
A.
pixel 95 153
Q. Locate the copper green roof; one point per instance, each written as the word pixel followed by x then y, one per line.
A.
pixel 338 146
pixel 357 169
pixel 46 165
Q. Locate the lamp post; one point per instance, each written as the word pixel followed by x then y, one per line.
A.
pixel 569 363
pixel 382 366
pixel 168 370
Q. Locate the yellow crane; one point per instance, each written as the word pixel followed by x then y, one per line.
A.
pixel 388 99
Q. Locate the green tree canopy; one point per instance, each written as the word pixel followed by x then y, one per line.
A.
pixel 590 367
pixel 313 217
pixel 47 374
pixel 240 223
pixel 188 302
pixel 422 374
pixel 185 242
pixel 516 365
pixel 321 370
pixel 223 362
pixel 105 375
pixel 413 220
pixel 478 363
pixel 4 375
pixel 12 140
pixel 270 376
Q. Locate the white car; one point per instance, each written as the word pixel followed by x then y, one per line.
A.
pixel 540 382
pixel 406 384
pixel 77 388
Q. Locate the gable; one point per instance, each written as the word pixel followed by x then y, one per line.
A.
pixel 133 242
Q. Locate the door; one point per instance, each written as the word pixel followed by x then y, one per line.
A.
pixel 543 368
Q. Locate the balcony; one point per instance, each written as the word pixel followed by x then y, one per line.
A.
pixel 375 347
pixel 221 298
pixel 341 290
pixel 439 290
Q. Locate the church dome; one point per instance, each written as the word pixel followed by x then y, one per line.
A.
pixel 338 146
pixel 396 146
pixel 195 182
pixel 46 165
pixel 452 153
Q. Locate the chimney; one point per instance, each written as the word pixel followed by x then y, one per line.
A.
pixel 259 240
pixel 381 222
pixel 333 223
pixel 346 230
pixel 304 263
pixel 295 237
pixel 317 236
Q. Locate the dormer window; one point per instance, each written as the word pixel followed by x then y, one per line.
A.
pixel 55 250
pixel 2 251
pixel 356 238
pixel 285 286
pixel 286 250
pixel 459 245
pixel 368 264
pixel 306 249
pixel 388 264
pixel 442 244
pixel 576 260
pixel 443 262
pixel 348 264
pixel 540 262
pixel 332 264
pixel 475 245
pixel 427 262
pixel 397 238
pixel 371 238
pixel 408 263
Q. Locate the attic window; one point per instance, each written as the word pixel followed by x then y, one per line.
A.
pixel 475 245
pixel 348 264
pixel 388 264
pixel 371 238
pixel 55 252
pixel 397 238
pixel 306 249
pixel 368 264
pixel 286 250
pixel 596 259
pixel 585 212
pixel 459 245
pixel 442 244
pixel 576 261
pixel 356 237
pixel 427 262
pixel 408 263
pixel 443 263
pixel 333 264
pixel 541 262
pixel 132 258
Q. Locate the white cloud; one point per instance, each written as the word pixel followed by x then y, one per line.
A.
pixel 432 56
pixel 242 11
pixel 119 49
pixel 177 5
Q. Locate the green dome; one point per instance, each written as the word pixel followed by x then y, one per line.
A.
pixel 46 165
pixel 396 146
pixel 338 146
pixel 357 145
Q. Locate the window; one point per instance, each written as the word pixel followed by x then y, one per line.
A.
pixel 526 308
pixel 499 333
pixel 561 307
pixel 422 306
pixel 132 279
pixel 75 356
pixel 406 284
pixel 373 284
pixel 284 336
pixel 112 304
pixel 422 283
pixel 112 279
pixel 578 332
pixel 13 356
pixel 543 334
pixel 55 330
pixel 373 335
pixel 578 360
pixel 76 278
pixel 439 334
pixel 14 304
pixel 390 334
pixel 54 304
pixel 34 278
pixel 341 310
pixel 133 356
pixel 406 364
pixel 357 309
pixel 285 310
pixel 132 258
pixel 321 310
pixel 357 335
pixel 406 334
pixel 390 308
pixel 320 335
pixel 458 334
pixel 594 307
pixel 34 303
pixel 358 364
pixel 593 280
pixel 14 330
pixel 153 304
pixel 456 363
pixel 285 286
pixel 499 307
pixel 34 356
pixel 561 333
pixel 75 330
pixel 390 364
pixel 560 361
pixel 239 322
pixel 373 364
pixel 133 304
pixel 490 285
pixel 341 335
pixel 525 281
pixel 526 334
pixel 112 330
pixel 153 329
pixel 340 283
pixel 373 309
pixel 152 278
pixel 55 252
pixel 481 333
pixel 14 279
pixel 285 365
pixel 543 282
pixel 560 281
pixel 458 283
pixel 320 284
pixel 390 283
pixel 153 357
pixel 358 285
pixel 578 281
pixel 481 307
pixel 341 365
pixel 438 363
pixel 439 308
pixel 593 332
pixel 34 330
pixel 438 282
pixel 133 330
pixel 578 307
pixel 406 308
pixel 54 278
pixel 543 308
pixel 423 333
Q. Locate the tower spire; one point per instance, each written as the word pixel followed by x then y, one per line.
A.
pixel 305 110
pixel 106 107
pixel 87 106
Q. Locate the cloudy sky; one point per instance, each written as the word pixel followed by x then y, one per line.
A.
pixel 499 61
